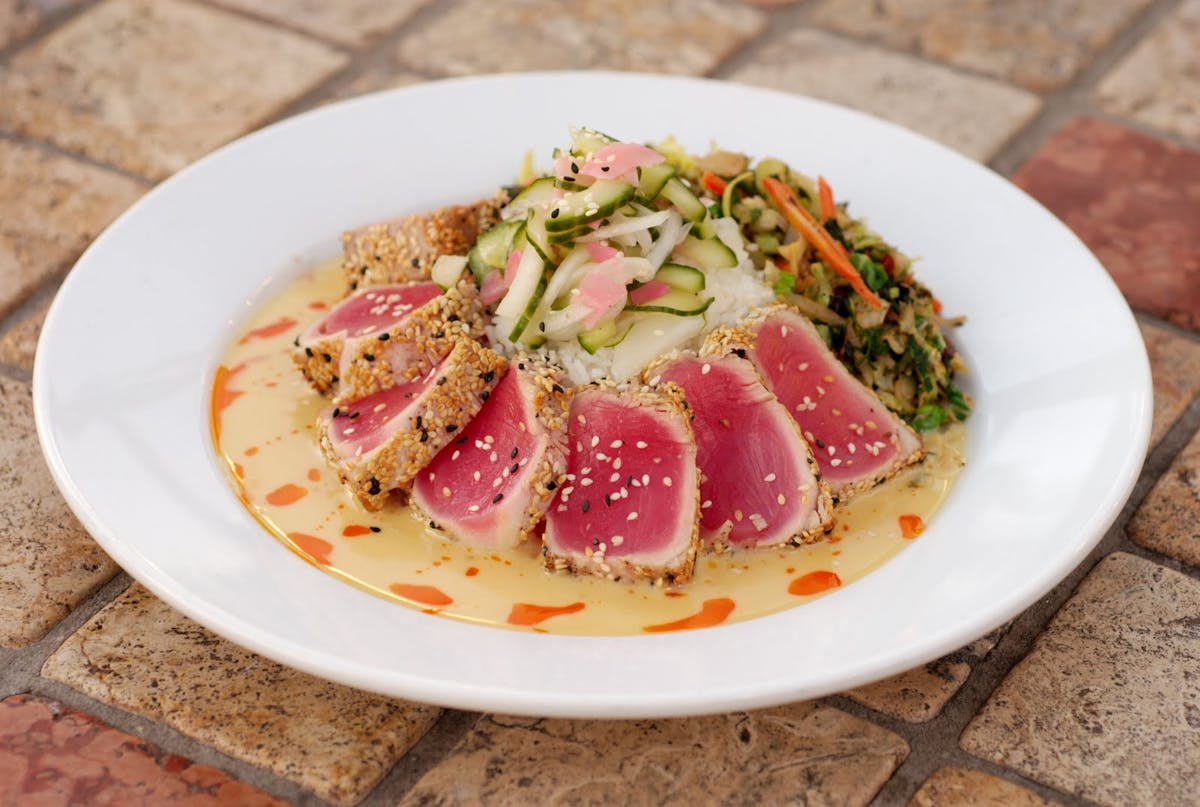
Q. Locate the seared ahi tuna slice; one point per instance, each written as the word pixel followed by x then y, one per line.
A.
pixel 857 441
pixel 759 484
pixel 383 333
pixel 380 442
pixel 630 505
pixel 405 248
pixel 492 484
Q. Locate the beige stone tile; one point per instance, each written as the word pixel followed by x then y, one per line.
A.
pixel 1158 83
pixel 803 752
pixel 919 694
pixel 140 655
pixel 50 208
pixel 151 86
pixel 48 563
pixel 673 36
pixel 348 22
pixel 19 18
pixel 1168 519
pixel 1175 367
pixel 1039 44
pixel 961 787
pixel 374 78
pixel 19 345
pixel 1105 704
pixel 973 115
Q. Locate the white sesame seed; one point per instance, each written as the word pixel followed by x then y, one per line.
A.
pixel 654 383
pixel 632 516
pixel 707 504
pixel 348 432
pixel 783 331
pixel 617 464
pixel 492 457
pixel 835 462
pixel 640 443
pixel 473 508
pixel 667 481
pixel 455 455
pixel 781 499
pixel 617 540
pixel 614 477
pixel 832 450
pixel 615 444
pixel 446 492
pixel 704 368
pixel 476 475
pixel 595 441
pixel 432 476
pixel 379 407
pixel 645 479
pixel 769 477
pixel 585 482
pixel 737 515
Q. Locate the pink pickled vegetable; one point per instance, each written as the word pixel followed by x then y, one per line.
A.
pixel 600 294
pixel 601 252
pixel 616 160
pixel 494 287
pixel 514 260
pixel 648 292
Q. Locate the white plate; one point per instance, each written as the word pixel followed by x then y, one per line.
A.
pixel 129 348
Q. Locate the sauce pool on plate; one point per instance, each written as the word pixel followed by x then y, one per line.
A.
pixel 264 429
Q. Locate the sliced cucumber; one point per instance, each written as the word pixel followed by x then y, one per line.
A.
pixel 704 229
pixel 580 208
pixel 690 207
pixel 531 307
pixel 593 339
pixel 539 194
pixel 684 278
pixel 491 250
pixel 567 236
pixel 525 283
pixel 651 336
pixel 447 269
pixel 708 253
pixel 585 141
pixel 652 179
pixel 677 303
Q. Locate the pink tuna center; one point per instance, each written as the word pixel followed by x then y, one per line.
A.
pixel 376 309
pixel 368 422
pixel 849 432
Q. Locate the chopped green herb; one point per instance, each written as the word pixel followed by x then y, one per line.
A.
pixel 786 284
pixel 928 418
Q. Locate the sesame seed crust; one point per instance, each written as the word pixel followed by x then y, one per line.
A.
pixel 406 248
pixel 668 402
pixel 470 370
pixel 742 340
pixel 354 368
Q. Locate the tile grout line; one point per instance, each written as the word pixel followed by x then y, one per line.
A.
pixel 47 25
pixel 437 745
pixel 251 15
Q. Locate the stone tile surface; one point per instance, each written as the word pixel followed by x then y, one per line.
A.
pixel 139 655
pixel 19 345
pixel 347 22
pixel 1135 201
pixel 1039 44
pixel 1158 83
pixel 1107 703
pixel 800 753
pixel 973 115
pixel 673 36
pixel 52 755
pixel 19 18
pixel 48 562
pixel 51 207
pixel 962 787
pixel 376 77
pixel 1168 519
pixel 1175 367
pixel 150 86
pixel 918 695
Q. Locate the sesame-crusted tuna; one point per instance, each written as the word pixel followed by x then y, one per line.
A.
pixel 857 441
pixel 383 334
pixel 630 505
pixel 492 484
pixel 759 484
pixel 379 443
pixel 405 248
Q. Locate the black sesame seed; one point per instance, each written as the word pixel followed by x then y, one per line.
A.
pixel 439 335
pixel 353 415
pixel 513 455
pixel 326 357
pixel 587 505
pixel 516 466
pixel 605 167
pixel 308 352
pixel 542 327
pixel 296 342
pixel 415 262
pixel 595 542
pixel 629 480
pixel 551 485
pixel 740 352
pixel 558 388
pixel 419 421
pixel 377 529
pixel 333 380
pixel 607 500
pixel 383 337
pixel 820 444
pixel 497 498
pixel 489 376
pixel 462 440
pixel 424 436
pixel 337 412
pixel 574 168
pixel 441 381
pixel 375 488
pixel 369 356
pixel 554 213
pixel 452 318
pixel 451 428
pixel 485 395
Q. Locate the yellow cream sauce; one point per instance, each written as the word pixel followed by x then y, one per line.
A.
pixel 263 421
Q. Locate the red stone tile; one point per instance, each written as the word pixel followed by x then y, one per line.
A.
pixel 1135 201
pixel 53 755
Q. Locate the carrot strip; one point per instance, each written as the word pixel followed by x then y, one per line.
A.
pixel 825 195
pixel 713 182
pixel 784 199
